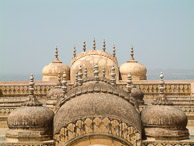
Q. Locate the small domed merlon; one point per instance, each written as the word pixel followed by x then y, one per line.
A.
pixel 84 46
pixel 80 75
pixel 56 53
pixel 114 51
pixel 74 51
pixel 129 83
pixel 103 72
pixel 86 72
pixel 64 83
pixel 96 72
pixel 132 53
pixel 104 46
pixel 94 44
pixel 113 75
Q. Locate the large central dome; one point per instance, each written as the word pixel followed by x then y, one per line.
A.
pixel 88 59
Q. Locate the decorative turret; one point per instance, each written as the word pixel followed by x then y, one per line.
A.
pixel 32 119
pixel 96 72
pixel 113 80
pixel 137 70
pixel 161 121
pixel 50 71
pixel 80 75
pixel 64 84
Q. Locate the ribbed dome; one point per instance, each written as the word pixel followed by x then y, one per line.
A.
pixel 102 99
pixel 137 70
pixel 33 120
pixel 51 70
pixel 88 59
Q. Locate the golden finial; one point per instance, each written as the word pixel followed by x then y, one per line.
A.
pixel 132 54
pixel 94 44
pixel 56 53
pixel 84 46
pixel 114 51
pixel 104 46
pixel 74 51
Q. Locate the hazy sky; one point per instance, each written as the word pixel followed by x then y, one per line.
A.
pixel 162 32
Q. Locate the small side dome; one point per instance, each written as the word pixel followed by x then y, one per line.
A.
pixel 51 70
pixel 137 70
pixel 33 120
pixel 162 121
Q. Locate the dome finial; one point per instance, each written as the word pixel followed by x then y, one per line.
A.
pixel 114 51
pixel 74 51
pixel 80 75
pixel 132 54
pixel 94 44
pixel 161 99
pixel 64 83
pixel 56 53
pixel 86 72
pixel 96 72
pixel 113 75
pixel 104 46
pixel 84 46
pixel 103 72
pixel 59 79
pixel 129 83
pixel 32 98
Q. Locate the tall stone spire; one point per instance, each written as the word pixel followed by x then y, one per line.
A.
pixel 129 83
pixel 104 46
pixel 74 51
pixel 94 44
pixel 64 83
pixel 32 98
pixel 56 53
pixel 80 75
pixel 96 72
pixel 113 75
pixel 132 54
pixel 114 51
pixel 84 46
pixel 161 99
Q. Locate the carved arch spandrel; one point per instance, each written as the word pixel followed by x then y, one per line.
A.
pixel 105 126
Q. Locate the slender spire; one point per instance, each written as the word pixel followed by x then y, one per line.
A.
pixel 32 98
pixel 56 53
pixel 132 54
pixel 59 79
pixel 113 75
pixel 96 72
pixel 129 83
pixel 94 44
pixel 114 51
pixel 74 51
pixel 161 99
pixel 84 46
pixel 86 72
pixel 80 75
pixel 103 72
pixel 76 79
pixel 64 83
pixel 104 46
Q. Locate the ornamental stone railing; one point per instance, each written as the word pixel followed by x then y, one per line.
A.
pixel 149 89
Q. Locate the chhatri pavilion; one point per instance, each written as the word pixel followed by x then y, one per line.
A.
pixel 96 102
